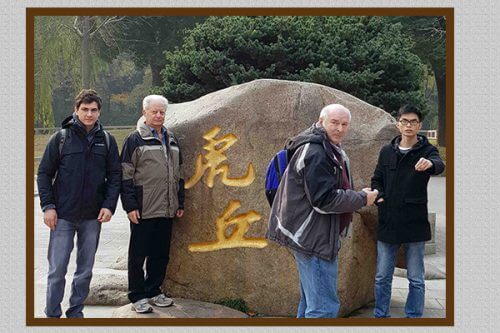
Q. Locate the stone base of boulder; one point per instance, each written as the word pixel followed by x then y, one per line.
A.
pixel 182 308
pixel 108 289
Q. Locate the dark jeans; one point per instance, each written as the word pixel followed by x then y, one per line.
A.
pixel 150 242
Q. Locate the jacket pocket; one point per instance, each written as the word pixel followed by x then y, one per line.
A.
pixel 416 210
pixel 416 200
pixel 71 158
pixel 382 210
pixel 98 158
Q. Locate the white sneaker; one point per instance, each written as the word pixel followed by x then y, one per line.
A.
pixel 142 306
pixel 162 300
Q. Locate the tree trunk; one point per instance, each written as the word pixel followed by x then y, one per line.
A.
pixel 155 72
pixel 440 76
pixel 85 51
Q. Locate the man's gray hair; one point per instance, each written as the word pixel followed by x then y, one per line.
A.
pixel 334 107
pixel 146 102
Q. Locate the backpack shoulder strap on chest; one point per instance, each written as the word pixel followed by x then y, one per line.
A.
pixel 62 138
pixel 107 139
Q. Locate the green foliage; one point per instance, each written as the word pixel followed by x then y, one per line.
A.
pixel 368 57
pixel 59 58
pixel 55 53
pixel 122 87
pixel 238 304
pixel 429 35
pixel 147 37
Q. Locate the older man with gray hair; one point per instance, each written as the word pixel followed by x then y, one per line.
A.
pixel 152 194
pixel 313 208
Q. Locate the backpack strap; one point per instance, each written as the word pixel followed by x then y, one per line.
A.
pixel 277 167
pixel 62 138
pixel 107 139
pixel 64 132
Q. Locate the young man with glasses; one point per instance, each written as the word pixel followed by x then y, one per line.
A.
pixel 401 177
pixel 79 181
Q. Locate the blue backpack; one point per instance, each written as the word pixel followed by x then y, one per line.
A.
pixel 274 172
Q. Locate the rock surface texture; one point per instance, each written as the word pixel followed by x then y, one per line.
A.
pixel 227 139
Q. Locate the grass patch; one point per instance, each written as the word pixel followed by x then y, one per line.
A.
pixel 238 304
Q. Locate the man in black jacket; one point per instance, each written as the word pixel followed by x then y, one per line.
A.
pixel 401 177
pixel 313 208
pixel 78 182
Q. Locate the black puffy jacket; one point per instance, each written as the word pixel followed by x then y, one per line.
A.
pixel 403 213
pixel 87 173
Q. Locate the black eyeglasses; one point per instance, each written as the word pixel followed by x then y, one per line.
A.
pixel 405 122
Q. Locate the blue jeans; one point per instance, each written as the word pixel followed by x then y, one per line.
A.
pixel 318 286
pixel 60 246
pixel 386 260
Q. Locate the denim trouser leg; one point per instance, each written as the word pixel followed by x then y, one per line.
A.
pixel 415 301
pixel 301 310
pixel 88 233
pixel 386 260
pixel 318 282
pixel 60 247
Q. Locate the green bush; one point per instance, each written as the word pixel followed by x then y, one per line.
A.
pixel 238 304
pixel 367 57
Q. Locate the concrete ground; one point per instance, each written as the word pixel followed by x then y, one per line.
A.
pixel 112 245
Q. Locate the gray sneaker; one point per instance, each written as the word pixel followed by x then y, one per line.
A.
pixel 162 300
pixel 142 306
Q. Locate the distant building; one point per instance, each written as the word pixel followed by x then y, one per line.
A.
pixel 430 134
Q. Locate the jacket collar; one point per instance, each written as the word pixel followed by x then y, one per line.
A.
pixel 76 124
pixel 145 131
pixel 421 142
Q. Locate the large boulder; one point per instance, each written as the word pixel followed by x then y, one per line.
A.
pixel 261 115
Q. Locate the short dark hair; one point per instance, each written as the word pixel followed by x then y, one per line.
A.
pixel 88 96
pixel 408 108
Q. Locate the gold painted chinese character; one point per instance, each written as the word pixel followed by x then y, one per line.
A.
pixel 237 236
pixel 213 160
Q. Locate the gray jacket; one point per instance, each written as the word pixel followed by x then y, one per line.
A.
pixel 305 213
pixel 152 180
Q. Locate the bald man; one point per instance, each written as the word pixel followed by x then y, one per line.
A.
pixel 313 209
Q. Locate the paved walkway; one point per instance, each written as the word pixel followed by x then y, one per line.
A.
pixel 114 242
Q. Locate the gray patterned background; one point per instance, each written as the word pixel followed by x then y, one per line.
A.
pixel 477 221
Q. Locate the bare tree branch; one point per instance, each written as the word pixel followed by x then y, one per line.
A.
pixel 108 20
pixel 75 27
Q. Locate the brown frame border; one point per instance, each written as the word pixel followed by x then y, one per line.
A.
pixel 450 234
